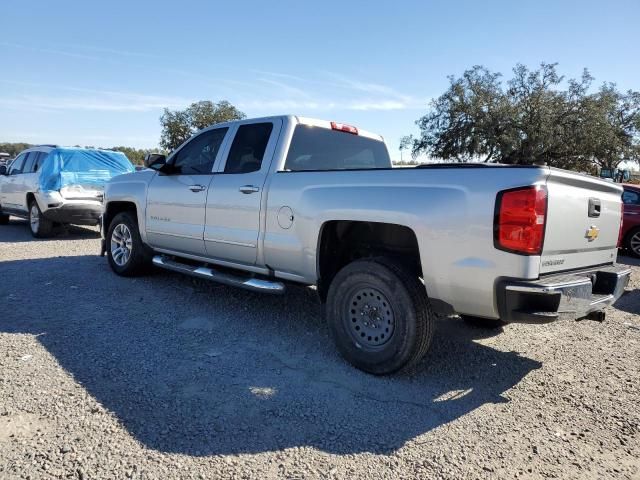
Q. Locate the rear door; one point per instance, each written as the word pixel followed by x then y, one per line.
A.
pixel 27 181
pixel 176 202
pixel 232 225
pixel 583 221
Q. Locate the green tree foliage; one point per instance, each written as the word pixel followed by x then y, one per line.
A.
pixel 179 125
pixel 13 149
pixel 135 155
pixel 536 117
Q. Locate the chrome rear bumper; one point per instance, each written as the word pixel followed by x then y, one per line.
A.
pixel 574 294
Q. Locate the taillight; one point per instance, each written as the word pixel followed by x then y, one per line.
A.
pixel 341 127
pixel 621 224
pixel 521 215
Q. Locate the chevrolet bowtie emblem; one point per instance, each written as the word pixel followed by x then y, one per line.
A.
pixel 592 233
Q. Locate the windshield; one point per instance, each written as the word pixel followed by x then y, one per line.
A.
pixel 316 148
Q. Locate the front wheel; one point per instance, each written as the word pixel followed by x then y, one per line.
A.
pixel 126 253
pixel 379 316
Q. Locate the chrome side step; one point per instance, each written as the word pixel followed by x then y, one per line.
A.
pixel 208 273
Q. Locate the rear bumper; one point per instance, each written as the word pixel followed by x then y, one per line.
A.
pixel 574 295
pixel 77 214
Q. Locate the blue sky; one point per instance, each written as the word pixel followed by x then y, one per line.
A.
pixel 100 73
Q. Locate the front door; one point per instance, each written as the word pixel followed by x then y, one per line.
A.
pixel 175 213
pixel 9 190
pixel 235 195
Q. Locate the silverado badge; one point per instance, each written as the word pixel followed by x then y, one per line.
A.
pixel 592 233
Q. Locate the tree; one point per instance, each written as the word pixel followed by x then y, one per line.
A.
pixel 532 120
pixel 405 143
pixel 179 125
pixel 13 149
pixel 135 155
pixel 613 133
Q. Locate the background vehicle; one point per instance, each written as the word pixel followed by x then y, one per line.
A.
pixel 615 175
pixel 49 184
pixel 257 203
pixel 630 234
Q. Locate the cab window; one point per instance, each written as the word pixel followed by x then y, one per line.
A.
pixel 314 148
pixel 630 197
pixel 247 150
pixel 197 156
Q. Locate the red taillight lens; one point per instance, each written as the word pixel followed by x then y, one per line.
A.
pixel 521 216
pixel 344 128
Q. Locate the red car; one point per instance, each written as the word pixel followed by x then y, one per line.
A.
pixel 630 235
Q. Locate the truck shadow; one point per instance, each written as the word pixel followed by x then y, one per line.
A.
pixel 205 369
pixel 17 231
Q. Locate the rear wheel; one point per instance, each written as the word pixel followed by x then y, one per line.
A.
pixel 126 253
pixel 40 226
pixel 379 316
pixel 633 242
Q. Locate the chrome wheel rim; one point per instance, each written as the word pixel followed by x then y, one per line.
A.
pixel 635 243
pixel 370 317
pixel 34 218
pixel 121 244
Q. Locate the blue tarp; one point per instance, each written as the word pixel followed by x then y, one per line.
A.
pixel 79 166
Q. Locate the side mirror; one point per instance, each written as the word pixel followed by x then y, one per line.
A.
pixel 155 160
pixel 3 169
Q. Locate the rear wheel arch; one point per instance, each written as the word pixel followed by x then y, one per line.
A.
pixel 341 242
pixel 29 198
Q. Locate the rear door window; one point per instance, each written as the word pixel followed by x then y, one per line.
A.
pixel 316 148
pixel 29 162
pixel 247 150
pixel 37 165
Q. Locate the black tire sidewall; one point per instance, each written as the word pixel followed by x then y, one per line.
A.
pixel 627 242
pixel 137 258
pixel 398 350
pixel 44 225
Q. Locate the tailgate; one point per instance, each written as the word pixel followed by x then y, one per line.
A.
pixel 583 222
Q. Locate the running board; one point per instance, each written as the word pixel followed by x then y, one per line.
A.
pixel 208 273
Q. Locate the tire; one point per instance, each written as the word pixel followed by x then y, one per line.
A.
pixel 632 242
pixel 4 219
pixel 480 322
pixel 39 226
pixel 379 316
pixel 132 257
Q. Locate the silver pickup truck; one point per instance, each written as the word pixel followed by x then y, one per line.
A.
pixel 266 202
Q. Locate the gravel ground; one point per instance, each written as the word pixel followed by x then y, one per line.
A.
pixel 167 377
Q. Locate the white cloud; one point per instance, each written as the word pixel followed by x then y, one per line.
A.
pixel 95 100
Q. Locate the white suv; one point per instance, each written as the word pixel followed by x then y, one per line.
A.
pixel 51 185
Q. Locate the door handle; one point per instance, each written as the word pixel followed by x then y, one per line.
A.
pixel 196 188
pixel 249 189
